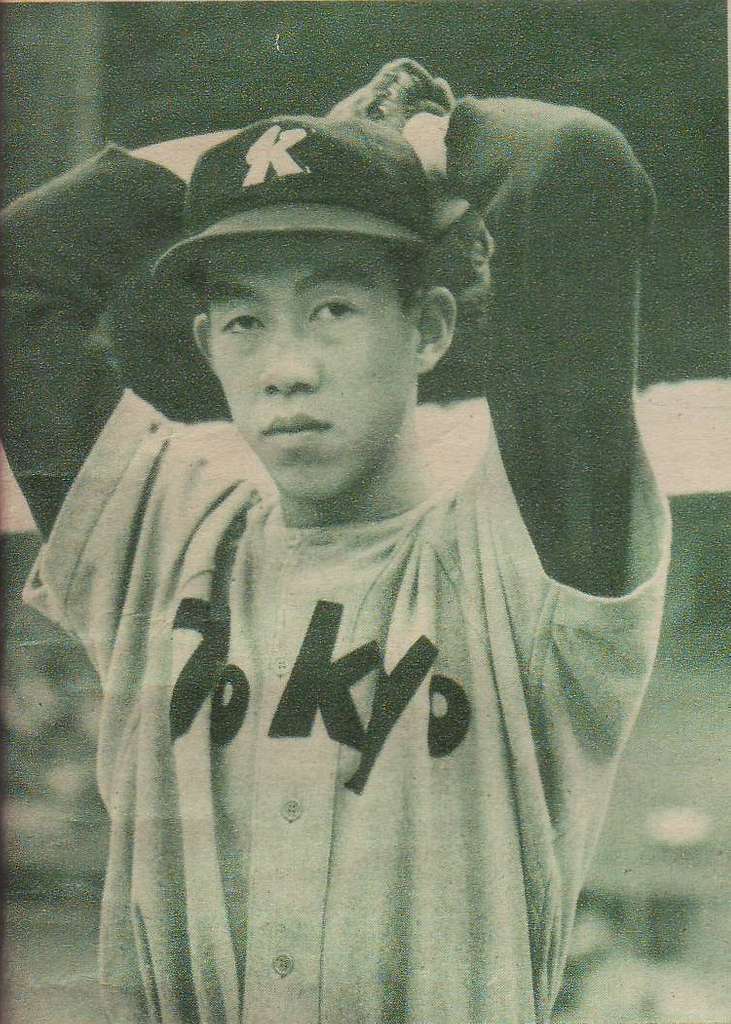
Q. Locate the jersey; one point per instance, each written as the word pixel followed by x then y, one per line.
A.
pixel 353 773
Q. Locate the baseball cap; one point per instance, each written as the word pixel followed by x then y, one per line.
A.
pixel 298 174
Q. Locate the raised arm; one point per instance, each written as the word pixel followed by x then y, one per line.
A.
pixel 66 247
pixel 569 208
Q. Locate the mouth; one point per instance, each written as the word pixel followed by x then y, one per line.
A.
pixel 289 425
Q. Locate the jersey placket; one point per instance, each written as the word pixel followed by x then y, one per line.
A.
pixel 291 840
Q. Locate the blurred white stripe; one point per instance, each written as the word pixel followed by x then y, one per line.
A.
pixel 686 428
pixel 15 515
pixel 181 155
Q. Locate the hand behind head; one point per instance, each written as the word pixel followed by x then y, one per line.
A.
pixel 397 92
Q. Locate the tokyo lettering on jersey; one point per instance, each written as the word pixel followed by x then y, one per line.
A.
pixel 353 773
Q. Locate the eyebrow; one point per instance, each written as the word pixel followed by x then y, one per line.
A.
pixel 356 272
pixel 226 288
pixel 348 272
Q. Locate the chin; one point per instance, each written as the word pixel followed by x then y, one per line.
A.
pixel 319 495
pixel 309 484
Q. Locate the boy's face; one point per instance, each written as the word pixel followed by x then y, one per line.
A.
pixel 318 357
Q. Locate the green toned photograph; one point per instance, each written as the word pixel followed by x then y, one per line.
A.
pixel 365 513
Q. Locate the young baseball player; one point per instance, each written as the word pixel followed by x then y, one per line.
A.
pixel 367 666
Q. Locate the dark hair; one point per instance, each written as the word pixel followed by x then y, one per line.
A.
pixel 408 264
pixel 460 261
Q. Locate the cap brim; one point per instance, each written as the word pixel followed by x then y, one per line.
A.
pixel 272 220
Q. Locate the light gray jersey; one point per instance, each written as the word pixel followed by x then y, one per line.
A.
pixel 354 774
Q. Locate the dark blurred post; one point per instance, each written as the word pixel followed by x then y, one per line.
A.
pixel 53 823
pixel 52 90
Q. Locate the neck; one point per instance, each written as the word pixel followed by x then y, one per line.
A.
pixel 400 483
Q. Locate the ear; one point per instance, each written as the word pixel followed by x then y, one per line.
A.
pixel 201 333
pixel 436 320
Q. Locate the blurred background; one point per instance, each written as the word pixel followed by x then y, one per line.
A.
pixel 654 932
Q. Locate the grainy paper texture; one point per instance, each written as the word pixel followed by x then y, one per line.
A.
pixel 383 807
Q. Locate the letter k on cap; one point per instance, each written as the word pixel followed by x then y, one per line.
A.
pixel 272 150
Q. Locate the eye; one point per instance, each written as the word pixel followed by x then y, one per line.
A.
pixel 334 310
pixel 242 323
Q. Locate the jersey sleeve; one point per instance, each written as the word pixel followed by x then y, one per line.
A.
pixel 68 245
pixel 590 664
pixel 125 523
pixel 535 600
pixel 571 669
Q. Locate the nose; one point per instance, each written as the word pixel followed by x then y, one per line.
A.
pixel 291 367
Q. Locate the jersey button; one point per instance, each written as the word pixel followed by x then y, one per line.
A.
pixel 283 965
pixel 291 810
pixel 281 666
